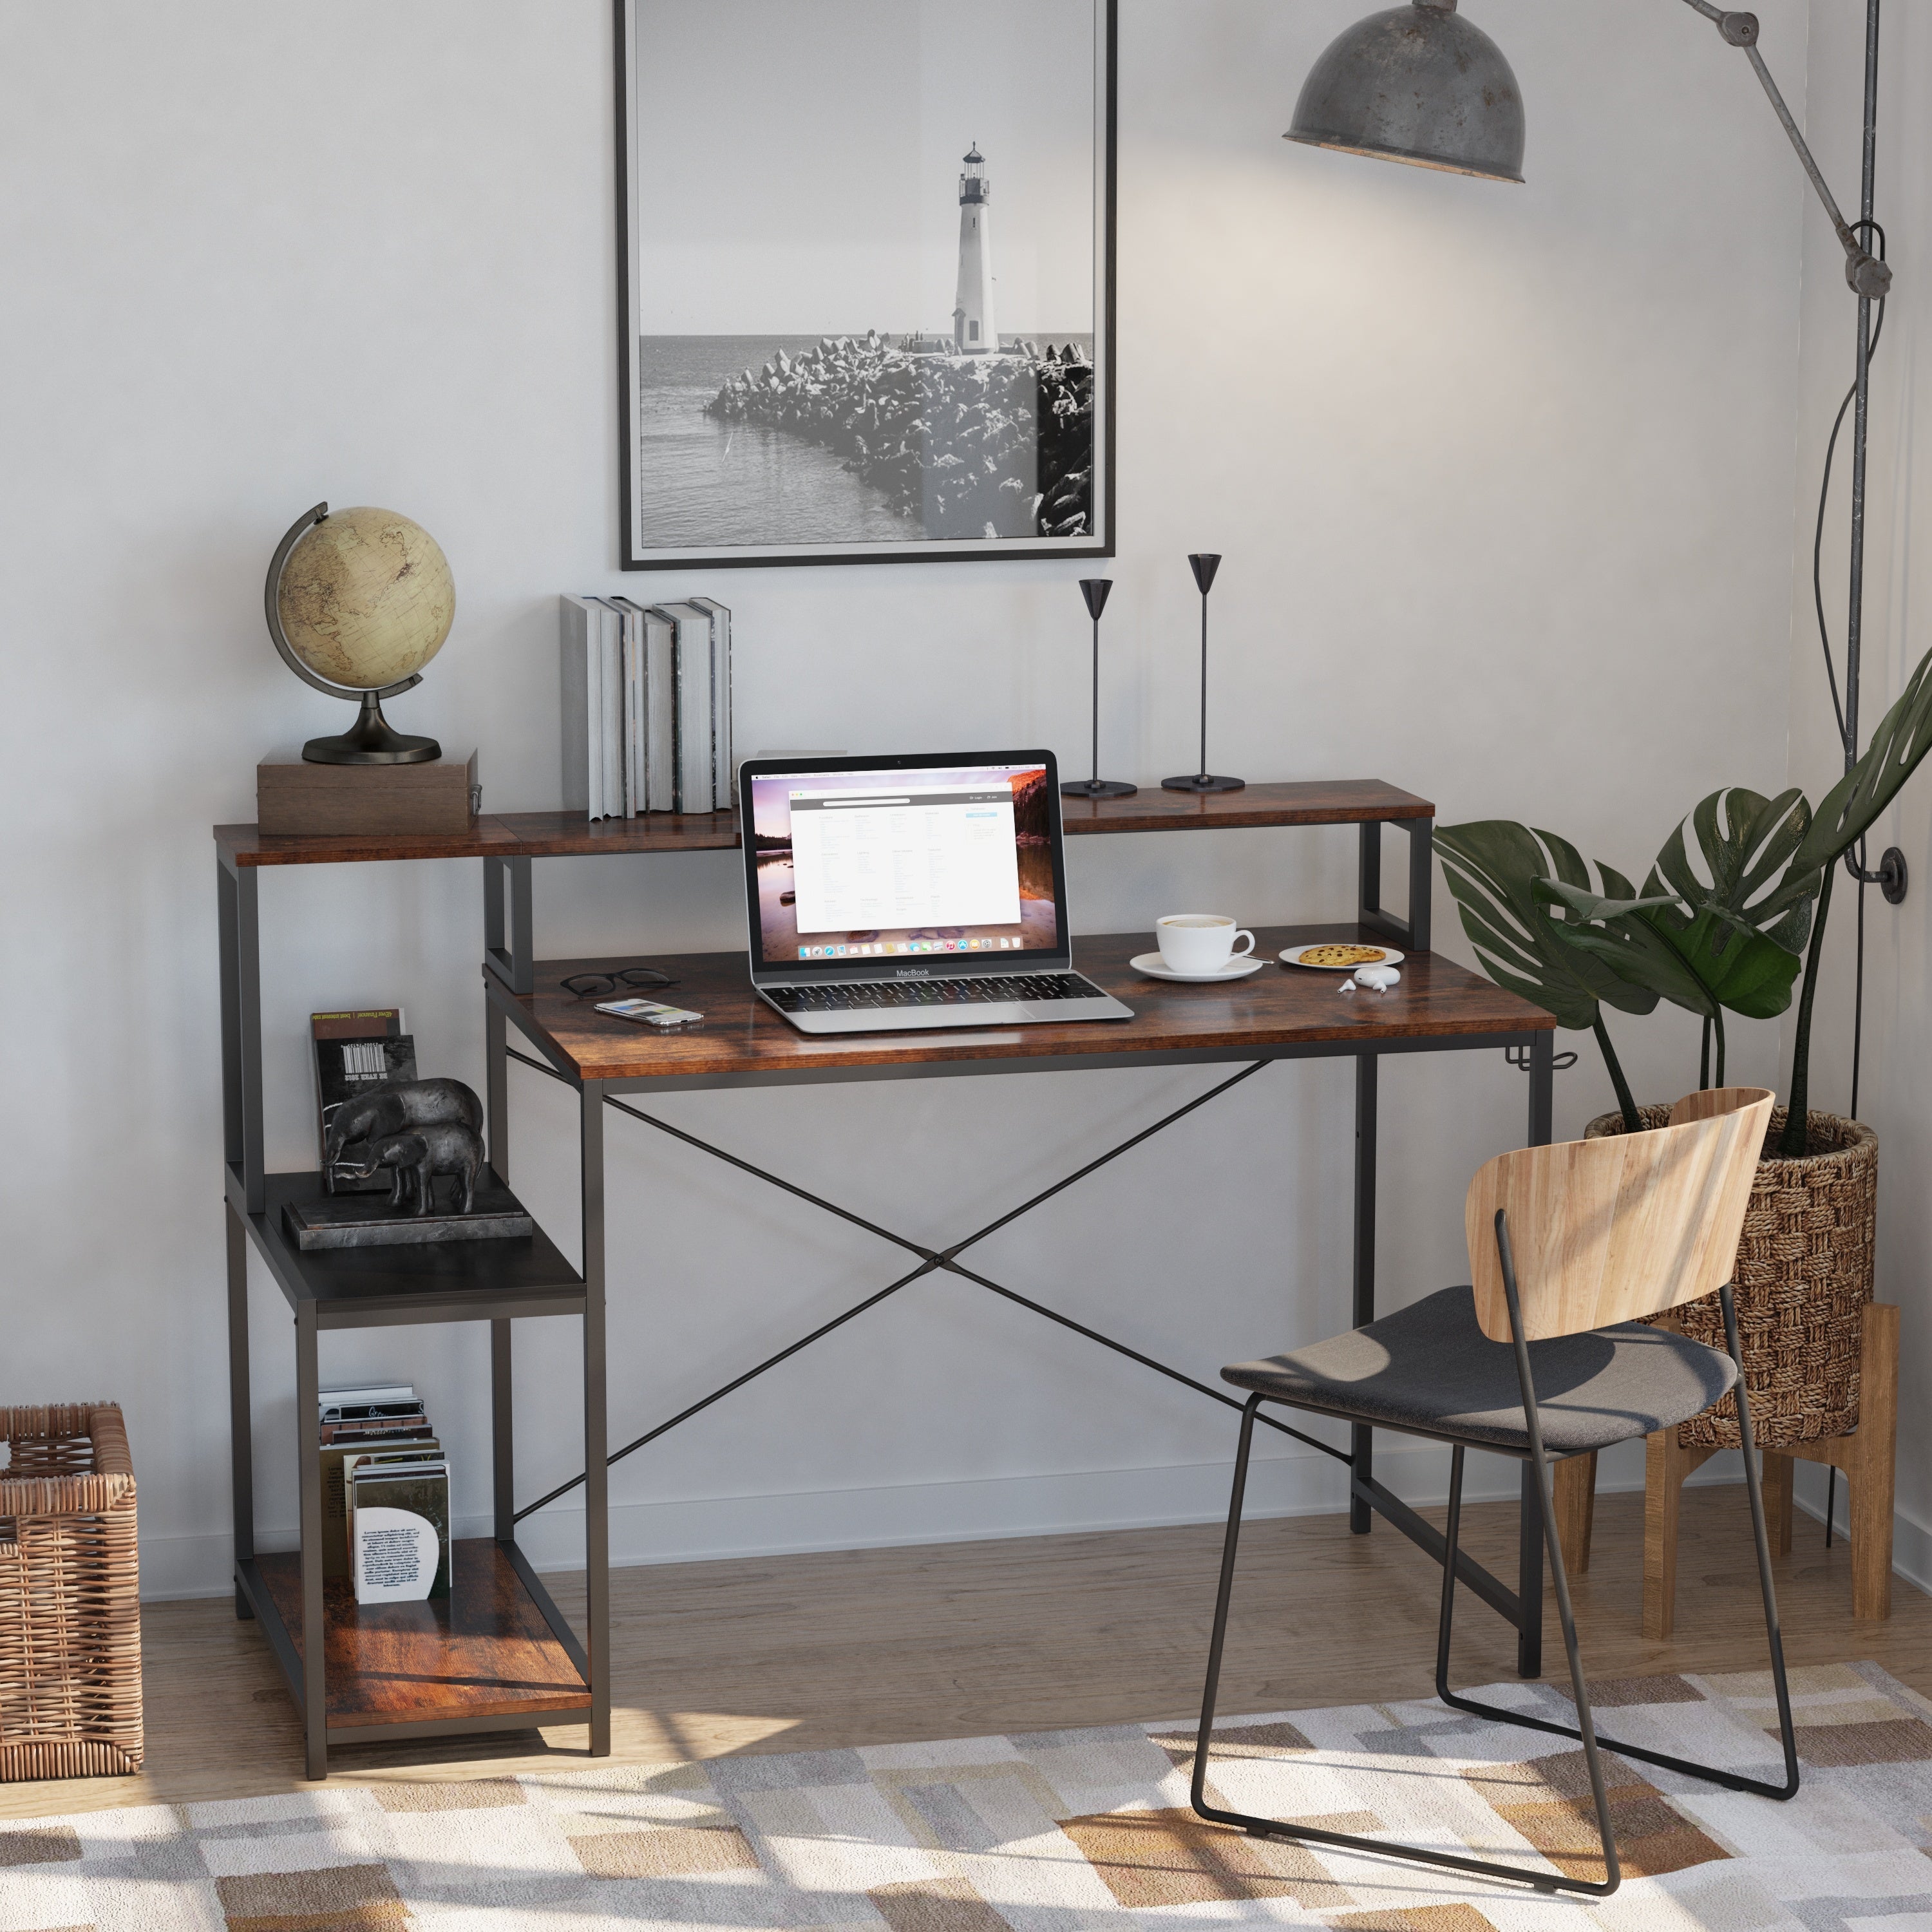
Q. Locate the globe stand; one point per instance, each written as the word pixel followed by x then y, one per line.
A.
pixel 371 741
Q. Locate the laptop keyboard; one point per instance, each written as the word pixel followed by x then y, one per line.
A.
pixel 889 995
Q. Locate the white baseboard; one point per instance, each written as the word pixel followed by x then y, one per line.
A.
pixel 703 1528
pixel 708 1527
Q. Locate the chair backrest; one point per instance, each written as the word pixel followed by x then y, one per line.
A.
pixel 1606 1230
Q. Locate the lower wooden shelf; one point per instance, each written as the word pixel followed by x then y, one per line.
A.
pixel 486 1656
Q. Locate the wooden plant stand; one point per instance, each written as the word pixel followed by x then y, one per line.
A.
pixel 1866 1457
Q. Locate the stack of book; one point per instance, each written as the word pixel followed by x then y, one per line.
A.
pixel 646 707
pixel 384 1494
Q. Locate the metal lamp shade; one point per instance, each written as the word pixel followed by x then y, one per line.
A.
pixel 1417 84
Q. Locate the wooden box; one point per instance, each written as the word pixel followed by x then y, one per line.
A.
pixel 292 795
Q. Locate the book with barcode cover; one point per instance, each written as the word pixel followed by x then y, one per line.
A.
pixel 398 1526
pixel 354 1051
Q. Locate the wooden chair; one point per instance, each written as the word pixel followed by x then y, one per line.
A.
pixel 1545 1359
pixel 1866 1457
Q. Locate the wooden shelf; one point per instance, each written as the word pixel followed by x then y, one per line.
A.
pixel 545 834
pixel 742 1041
pixel 1304 802
pixel 434 1281
pixel 486 1652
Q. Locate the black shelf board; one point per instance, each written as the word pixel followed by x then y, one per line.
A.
pixel 434 1281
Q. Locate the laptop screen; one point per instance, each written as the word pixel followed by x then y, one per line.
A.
pixel 926 862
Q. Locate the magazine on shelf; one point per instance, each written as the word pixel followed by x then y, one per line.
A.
pixel 398 1526
pixel 334 1496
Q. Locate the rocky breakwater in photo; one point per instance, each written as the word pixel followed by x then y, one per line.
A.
pixel 995 446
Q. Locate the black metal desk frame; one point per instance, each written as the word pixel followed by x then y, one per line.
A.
pixel 509 970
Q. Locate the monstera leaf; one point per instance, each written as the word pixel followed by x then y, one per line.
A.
pixel 1624 931
pixel 1493 867
pixel 1847 812
pixel 1724 939
pixel 1744 842
pixel 1898 748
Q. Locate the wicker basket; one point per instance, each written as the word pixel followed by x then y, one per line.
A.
pixel 69 1599
pixel 1804 1277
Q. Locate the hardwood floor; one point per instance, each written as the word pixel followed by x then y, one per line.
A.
pixel 962 1640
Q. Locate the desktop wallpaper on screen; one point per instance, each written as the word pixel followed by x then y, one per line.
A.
pixel 866 865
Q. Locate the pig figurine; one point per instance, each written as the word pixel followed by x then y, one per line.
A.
pixel 394 1108
pixel 418 1155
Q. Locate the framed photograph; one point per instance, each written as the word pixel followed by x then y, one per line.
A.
pixel 865 279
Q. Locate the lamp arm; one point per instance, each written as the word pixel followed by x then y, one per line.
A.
pixel 1867 277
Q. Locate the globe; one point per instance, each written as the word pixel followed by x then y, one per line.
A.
pixel 366 598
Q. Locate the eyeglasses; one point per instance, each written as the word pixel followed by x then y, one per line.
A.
pixel 588 985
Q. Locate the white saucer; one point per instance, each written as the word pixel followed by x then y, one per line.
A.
pixel 1291 955
pixel 1156 967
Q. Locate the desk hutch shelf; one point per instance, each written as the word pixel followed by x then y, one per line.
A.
pixel 499 1655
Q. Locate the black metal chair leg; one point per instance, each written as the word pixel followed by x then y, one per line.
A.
pixel 1709 1774
pixel 1270 1828
pixel 1211 1689
pixel 1452 1543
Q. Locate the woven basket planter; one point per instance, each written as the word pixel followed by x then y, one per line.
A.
pixel 1804 1277
pixel 70 1596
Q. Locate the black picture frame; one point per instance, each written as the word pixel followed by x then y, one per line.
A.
pixel 1098 541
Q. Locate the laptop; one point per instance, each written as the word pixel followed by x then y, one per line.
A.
pixel 889 895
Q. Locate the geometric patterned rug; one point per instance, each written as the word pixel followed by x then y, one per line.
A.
pixel 1064 1832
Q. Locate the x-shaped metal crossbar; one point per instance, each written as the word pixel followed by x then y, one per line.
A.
pixel 1364 1489
pixel 931 1260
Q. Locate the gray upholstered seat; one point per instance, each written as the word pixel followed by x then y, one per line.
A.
pixel 1430 1368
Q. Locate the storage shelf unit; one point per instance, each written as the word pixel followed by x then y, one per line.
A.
pixel 499 1655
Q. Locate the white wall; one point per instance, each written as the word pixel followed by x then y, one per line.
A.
pixel 1897 1047
pixel 1504 480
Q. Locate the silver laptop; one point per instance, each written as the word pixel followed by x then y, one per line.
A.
pixel 886 895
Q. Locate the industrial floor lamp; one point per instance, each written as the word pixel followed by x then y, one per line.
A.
pixel 1420 84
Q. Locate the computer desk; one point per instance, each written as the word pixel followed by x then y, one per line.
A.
pixel 1278 1013
pixel 498 1653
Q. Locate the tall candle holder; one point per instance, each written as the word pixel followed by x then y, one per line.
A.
pixel 1204 566
pixel 1097 590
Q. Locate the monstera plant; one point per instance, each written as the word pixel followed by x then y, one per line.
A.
pixel 1731 915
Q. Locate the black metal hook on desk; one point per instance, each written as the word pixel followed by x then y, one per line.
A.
pixel 1518 1056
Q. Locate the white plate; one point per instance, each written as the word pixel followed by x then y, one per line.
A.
pixel 1156 967
pixel 1291 956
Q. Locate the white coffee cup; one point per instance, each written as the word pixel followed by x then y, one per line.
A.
pixel 1199 944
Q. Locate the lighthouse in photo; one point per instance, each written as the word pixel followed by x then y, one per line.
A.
pixel 975 332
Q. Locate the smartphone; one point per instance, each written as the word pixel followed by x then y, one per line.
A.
pixel 648 1012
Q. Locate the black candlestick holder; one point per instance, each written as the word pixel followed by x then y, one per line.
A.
pixel 1097 590
pixel 1204 567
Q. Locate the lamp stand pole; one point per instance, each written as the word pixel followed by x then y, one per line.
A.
pixel 1861 406
pixel 1870 280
